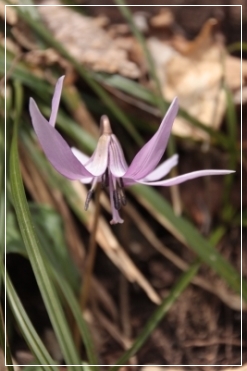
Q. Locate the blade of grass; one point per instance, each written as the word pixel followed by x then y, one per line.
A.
pixel 60 280
pixel 34 251
pixel 9 362
pixel 158 315
pixel 158 97
pixel 76 310
pixel 231 121
pixel 237 47
pixel 28 331
pixel 2 198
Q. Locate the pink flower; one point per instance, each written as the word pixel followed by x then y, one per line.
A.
pixel 107 164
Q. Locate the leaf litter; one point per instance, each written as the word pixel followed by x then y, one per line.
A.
pixel 192 70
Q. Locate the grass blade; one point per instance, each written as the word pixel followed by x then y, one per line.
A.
pixel 32 338
pixel 10 366
pixel 48 292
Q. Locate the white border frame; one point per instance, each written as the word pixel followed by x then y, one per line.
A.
pixel 241 177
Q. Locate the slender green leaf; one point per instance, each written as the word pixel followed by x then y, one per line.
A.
pixel 58 278
pixel 3 338
pixel 34 252
pixel 15 244
pixel 29 333
pixel 237 46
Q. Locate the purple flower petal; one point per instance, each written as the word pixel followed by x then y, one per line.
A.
pixel 80 155
pixel 56 149
pixel 117 162
pixel 98 163
pixel 150 154
pixel 83 159
pixel 183 178
pixel 56 101
pixel 163 169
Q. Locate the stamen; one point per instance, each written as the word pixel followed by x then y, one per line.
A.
pixel 117 199
pixel 122 197
pixel 88 199
pixel 105 179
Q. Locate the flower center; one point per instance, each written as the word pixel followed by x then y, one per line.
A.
pixel 119 198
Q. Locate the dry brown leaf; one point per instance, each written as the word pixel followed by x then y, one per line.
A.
pixel 111 328
pixel 2 363
pixel 87 41
pixel 104 298
pixel 164 18
pixel 194 72
pixel 197 83
pixel 158 368
pixel 242 368
pixel 11 17
pixel 10 45
pixel 233 72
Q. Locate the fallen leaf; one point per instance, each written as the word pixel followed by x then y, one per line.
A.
pixel 194 71
pixel 87 41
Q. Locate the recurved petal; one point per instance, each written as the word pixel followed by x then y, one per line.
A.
pixel 56 149
pixel 80 155
pixel 163 169
pixel 56 101
pixel 150 154
pixel 83 159
pixel 117 162
pixel 98 163
pixel 183 178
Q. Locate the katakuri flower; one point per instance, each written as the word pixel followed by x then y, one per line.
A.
pixel 107 164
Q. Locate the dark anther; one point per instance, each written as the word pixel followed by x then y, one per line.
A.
pixel 116 199
pixel 105 179
pixel 121 194
pixel 88 199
